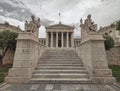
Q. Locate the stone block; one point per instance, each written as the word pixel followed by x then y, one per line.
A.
pixel 23 63
pixel 17 79
pixel 99 64
pixel 20 72
pixel 104 80
pixel 102 73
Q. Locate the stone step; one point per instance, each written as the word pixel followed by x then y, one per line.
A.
pixel 69 60
pixel 60 51
pixel 61 80
pixel 58 71
pixel 54 67
pixel 52 59
pixel 59 64
pixel 66 53
pixel 55 50
pixel 66 58
pixel 60 54
pixel 61 68
pixel 60 58
pixel 60 75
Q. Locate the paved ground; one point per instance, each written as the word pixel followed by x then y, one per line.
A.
pixel 58 87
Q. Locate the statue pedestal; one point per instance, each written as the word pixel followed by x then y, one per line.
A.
pixel 93 55
pixel 25 59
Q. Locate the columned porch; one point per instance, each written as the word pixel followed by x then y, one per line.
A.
pixel 59 39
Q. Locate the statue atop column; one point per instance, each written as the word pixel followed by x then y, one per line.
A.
pixel 88 25
pixel 33 25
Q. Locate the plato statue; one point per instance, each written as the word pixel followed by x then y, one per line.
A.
pixel 33 25
pixel 88 25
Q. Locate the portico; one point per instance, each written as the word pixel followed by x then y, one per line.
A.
pixel 59 36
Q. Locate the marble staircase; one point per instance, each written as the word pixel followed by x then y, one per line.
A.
pixel 60 66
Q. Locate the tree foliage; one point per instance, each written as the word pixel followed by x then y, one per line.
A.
pixel 109 42
pixel 118 25
pixel 7 41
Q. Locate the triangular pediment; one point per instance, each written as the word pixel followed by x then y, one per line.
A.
pixel 59 26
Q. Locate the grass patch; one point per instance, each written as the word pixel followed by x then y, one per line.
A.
pixel 116 72
pixel 3 73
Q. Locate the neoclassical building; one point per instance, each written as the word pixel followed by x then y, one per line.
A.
pixel 111 30
pixel 59 36
pixel 7 26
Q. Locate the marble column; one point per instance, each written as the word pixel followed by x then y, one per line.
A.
pixel 67 39
pixel 47 39
pixel 43 42
pixel 51 39
pixel 56 39
pixel 62 39
pixel 72 40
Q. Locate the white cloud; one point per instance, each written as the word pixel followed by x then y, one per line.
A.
pixel 42 32
pixel 1 10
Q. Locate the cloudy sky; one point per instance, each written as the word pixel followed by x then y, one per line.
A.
pixel 104 12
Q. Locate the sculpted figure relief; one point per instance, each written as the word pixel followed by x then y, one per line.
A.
pixel 33 25
pixel 88 25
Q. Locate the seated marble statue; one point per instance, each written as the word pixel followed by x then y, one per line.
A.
pixel 88 25
pixel 33 25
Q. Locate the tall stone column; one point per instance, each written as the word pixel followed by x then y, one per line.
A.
pixel 43 42
pixel 72 40
pixel 47 39
pixel 62 39
pixel 67 39
pixel 56 39
pixel 51 39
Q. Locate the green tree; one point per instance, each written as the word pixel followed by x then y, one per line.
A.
pixel 109 42
pixel 7 41
pixel 118 25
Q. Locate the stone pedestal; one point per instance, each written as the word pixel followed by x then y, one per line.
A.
pixel 25 59
pixel 93 55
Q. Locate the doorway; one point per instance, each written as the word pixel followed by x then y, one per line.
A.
pixel 59 43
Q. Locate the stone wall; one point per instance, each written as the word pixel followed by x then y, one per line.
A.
pixel 83 51
pixel 111 30
pixel 113 56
